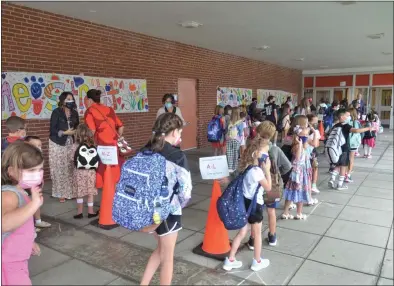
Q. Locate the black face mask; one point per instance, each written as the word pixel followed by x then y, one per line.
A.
pixel 70 105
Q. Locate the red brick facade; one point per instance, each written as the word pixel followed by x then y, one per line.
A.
pixel 37 41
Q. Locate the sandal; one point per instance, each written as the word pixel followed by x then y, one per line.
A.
pixel 313 202
pixel 288 216
pixel 292 206
pixel 300 217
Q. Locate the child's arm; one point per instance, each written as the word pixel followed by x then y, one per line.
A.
pixel 297 149
pixel 13 216
pixel 315 141
pixel 266 183
pixel 361 130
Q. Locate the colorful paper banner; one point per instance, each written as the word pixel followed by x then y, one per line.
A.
pixel 233 96
pixel 35 95
pixel 280 97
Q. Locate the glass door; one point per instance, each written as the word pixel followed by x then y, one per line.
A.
pixel 385 106
pixel 323 95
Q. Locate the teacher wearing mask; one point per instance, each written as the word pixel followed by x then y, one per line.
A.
pixel 64 121
pixel 169 106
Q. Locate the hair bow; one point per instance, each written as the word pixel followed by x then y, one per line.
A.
pixel 297 129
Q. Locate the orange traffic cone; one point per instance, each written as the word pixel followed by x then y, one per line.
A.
pixel 321 130
pixel 107 198
pixel 216 243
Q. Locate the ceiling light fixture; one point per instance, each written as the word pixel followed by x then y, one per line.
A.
pixel 386 53
pixel 375 36
pixel 346 3
pixel 190 24
pixel 262 48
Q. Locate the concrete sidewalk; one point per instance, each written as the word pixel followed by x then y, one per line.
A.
pixel 346 240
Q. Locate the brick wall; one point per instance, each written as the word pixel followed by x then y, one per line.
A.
pixel 37 41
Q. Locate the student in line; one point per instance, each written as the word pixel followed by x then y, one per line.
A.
pixel 235 133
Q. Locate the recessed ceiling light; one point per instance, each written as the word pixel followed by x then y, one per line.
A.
pixel 92 11
pixel 376 36
pixel 324 67
pixel 300 59
pixel 386 53
pixel 346 3
pixel 190 24
pixel 262 48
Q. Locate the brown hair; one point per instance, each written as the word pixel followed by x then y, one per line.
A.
pixel 62 99
pixel 285 110
pixel 164 125
pixel 84 135
pixel 217 109
pixel 15 123
pixel 251 152
pixel 311 116
pixel 235 115
pixel 266 129
pixel 353 113
pixel 19 155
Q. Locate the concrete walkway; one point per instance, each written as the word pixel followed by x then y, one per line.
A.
pixel 346 240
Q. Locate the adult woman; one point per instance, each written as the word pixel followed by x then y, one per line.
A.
pixel 64 121
pixel 107 128
pixel 304 108
pixel 169 106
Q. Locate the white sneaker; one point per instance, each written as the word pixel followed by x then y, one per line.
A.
pixel 43 224
pixel 256 266
pixel 230 265
pixel 331 184
pixel 315 190
pixel 343 187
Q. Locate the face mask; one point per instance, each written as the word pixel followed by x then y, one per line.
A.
pixel 347 120
pixel 263 158
pixel 31 179
pixel 315 126
pixel 168 105
pixel 70 104
pixel 303 138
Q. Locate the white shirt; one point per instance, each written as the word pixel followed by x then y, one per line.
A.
pixel 251 182
pixel 177 112
pixel 317 134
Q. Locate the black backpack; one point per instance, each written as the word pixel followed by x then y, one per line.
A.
pixel 287 151
pixel 86 157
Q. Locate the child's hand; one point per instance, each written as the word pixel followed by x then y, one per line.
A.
pixel 299 140
pixel 36 196
pixel 266 165
pixel 36 250
pixel 224 181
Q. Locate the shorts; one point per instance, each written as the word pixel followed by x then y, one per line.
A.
pixel 353 149
pixel 343 160
pixel 273 205
pixel 170 225
pixel 257 216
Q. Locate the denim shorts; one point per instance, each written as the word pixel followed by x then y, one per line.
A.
pixel 273 205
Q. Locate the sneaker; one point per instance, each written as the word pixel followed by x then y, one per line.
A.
pixel 43 224
pixel 315 189
pixel 369 157
pixel 343 187
pixel 357 154
pixel 251 243
pixel 230 265
pixel 38 230
pixel 272 239
pixel 331 184
pixel 348 179
pixel 257 266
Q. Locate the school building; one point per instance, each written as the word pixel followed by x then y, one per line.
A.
pixel 191 49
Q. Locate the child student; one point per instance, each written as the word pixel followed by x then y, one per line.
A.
pixel 167 132
pixel 245 125
pixel 314 142
pixel 84 180
pixel 21 172
pixel 354 141
pixel 219 148
pixel 369 140
pixel 235 133
pixel 343 162
pixel 298 187
pixel 16 128
pixel 36 142
pixel 255 154
pixel 266 130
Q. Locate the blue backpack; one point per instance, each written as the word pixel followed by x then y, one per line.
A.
pixel 215 130
pixel 231 204
pixel 142 199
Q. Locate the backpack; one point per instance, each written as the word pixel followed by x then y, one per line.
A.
pixel 231 204
pixel 287 151
pixel 215 130
pixel 142 199
pixel 275 194
pixel 355 138
pixel 334 144
pixel 253 132
pixel 86 157
pixel 233 130
pixel 329 118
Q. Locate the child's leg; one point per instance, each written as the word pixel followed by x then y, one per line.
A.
pixel 237 241
pixel 365 150
pixel 271 220
pixel 38 221
pixel 153 264
pixel 257 240
pixel 315 175
pixel 90 204
pixel 299 209
pixel 287 205
pixel 369 148
pixel 79 205
pixel 167 248
pixel 351 161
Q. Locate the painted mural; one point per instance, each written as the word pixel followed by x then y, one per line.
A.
pixel 35 95
pixel 280 96
pixel 233 96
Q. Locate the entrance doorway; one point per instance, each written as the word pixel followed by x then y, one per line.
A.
pixel 323 95
pixel 381 101
pixel 187 102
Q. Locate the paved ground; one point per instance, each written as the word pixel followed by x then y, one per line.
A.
pixel 347 239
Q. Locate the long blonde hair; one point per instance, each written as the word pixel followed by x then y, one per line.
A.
pixel 235 115
pixel 302 122
pixel 252 152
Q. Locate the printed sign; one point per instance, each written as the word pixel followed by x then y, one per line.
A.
pixel 36 95
pixel 108 154
pixel 213 168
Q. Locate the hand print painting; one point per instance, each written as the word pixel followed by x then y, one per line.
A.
pixel 35 95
